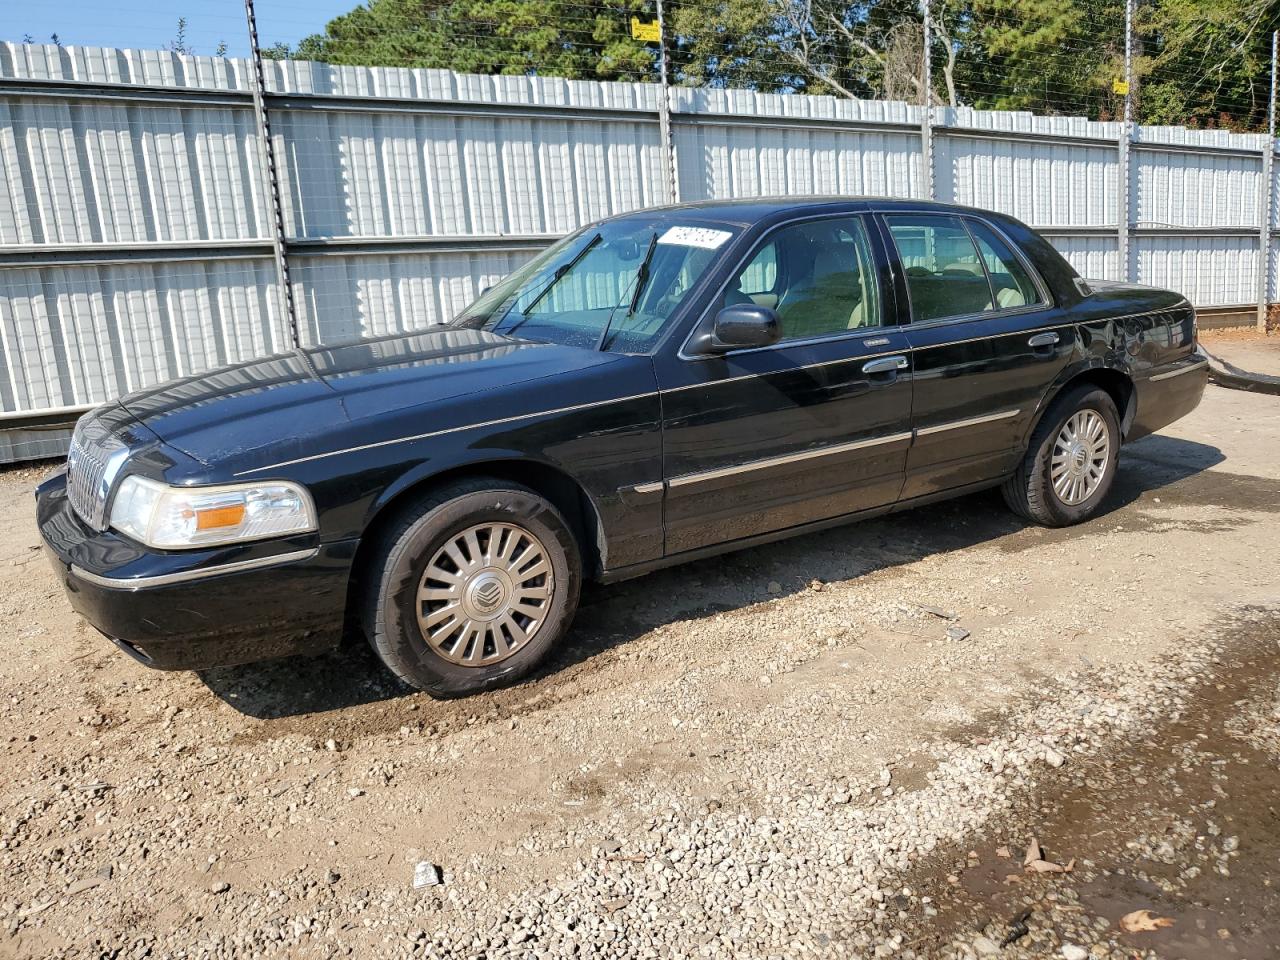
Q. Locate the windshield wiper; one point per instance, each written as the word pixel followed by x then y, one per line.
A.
pixel 642 278
pixel 559 274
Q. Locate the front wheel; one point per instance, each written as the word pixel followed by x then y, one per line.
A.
pixel 475 584
pixel 1070 463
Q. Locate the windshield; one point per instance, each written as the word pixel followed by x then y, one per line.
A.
pixel 613 286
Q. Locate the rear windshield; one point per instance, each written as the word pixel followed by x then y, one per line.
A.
pixel 613 286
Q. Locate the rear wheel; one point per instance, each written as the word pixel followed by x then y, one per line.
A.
pixel 1070 463
pixel 476 582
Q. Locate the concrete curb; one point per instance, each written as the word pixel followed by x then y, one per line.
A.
pixel 1226 375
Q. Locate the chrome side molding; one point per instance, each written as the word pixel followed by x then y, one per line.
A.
pixel 751 465
pixel 970 422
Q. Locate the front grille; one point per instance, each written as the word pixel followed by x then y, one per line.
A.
pixel 91 466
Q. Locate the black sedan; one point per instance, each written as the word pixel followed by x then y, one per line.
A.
pixel 654 388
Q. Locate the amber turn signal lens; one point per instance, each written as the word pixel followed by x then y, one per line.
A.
pixel 218 517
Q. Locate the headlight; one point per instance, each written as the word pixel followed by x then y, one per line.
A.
pixel 172 518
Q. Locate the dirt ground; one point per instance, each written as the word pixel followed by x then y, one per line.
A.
pixel 781 752
pixel 1246 348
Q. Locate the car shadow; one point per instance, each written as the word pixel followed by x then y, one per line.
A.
pixel 609 616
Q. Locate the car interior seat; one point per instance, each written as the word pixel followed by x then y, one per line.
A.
pixel 826 289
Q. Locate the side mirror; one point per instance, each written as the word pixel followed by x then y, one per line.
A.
pixel 744 325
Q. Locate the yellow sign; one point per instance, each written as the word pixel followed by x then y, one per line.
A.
pixel 645 32
pixel 1120 86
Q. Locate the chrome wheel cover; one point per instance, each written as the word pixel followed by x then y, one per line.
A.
pixel 485 594
pixel 1080 458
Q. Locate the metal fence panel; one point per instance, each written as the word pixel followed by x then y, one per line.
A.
pixel 1197 190
pixel 135 244
pixel 74 173
pixel 1037 182
pixel 347 297
pixel 1213 270
pixel 1092 256
pixel 81 335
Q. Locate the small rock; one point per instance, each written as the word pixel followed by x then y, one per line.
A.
pixel 1071 951
pixel 425 874
pixel 220 887
pixel 1230 844
pixel 332 876
pixel 331 745
pixel 354 792
pixel 1053 758
pixel 986 947
pixel 775 587
pixel 956 634
pixel 80 886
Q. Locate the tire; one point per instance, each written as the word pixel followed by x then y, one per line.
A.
pixel 496 641
pixel 1032 493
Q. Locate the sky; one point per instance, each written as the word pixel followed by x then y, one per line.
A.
pixel 152 24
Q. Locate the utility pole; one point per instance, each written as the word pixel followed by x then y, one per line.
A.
pixel 1268 200
pixel 926 110
pixel 672 176
pixel 1126 137
pixel 267 158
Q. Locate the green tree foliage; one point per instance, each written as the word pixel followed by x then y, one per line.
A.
pixel 561 38
pixel 1206 59
pixel 1043 55
pixel 1198 62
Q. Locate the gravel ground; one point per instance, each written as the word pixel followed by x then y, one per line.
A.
pixel 782 752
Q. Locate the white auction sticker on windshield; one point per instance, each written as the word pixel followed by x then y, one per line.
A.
pixel 702 237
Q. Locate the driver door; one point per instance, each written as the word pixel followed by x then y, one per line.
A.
pixel 813 427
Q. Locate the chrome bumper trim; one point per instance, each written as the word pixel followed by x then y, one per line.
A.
pixel 185 576
pixel 1198 364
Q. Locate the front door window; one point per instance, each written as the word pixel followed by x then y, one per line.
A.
pixel 818 275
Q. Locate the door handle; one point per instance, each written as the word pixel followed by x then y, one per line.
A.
pixel 885 364
pixel 1042 340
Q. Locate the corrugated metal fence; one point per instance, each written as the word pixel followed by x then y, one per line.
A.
pixel 135 243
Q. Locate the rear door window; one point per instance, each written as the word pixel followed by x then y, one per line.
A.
pixel 945 276
pixel 953 272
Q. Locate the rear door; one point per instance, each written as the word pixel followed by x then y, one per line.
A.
pixel 813 427
pixel 986 339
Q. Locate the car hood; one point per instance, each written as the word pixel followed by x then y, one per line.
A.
pixel 278 400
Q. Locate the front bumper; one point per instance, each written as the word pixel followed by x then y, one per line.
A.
pixel 185 610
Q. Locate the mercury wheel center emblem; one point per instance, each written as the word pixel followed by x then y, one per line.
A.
pixel 487 594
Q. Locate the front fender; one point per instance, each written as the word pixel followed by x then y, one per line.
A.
pixel 600 451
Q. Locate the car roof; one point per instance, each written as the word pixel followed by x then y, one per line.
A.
pixel 746 212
